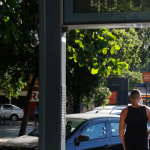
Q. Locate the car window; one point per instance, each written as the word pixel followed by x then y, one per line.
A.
pixel 0 106
pixel 119 108
pixel 105 111
pixel 95 131
pixel 35 132
pixel 15 107
pixel 7 107
pixel 116 113
pixel 115 129
pixel 72 126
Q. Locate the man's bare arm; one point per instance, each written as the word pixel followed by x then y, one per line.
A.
pixel 122 127
pixel 148 116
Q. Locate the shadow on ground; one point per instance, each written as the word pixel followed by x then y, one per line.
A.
pixel 11 130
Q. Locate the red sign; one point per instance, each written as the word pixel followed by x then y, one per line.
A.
pixel 113 98
pixel 35 96
pixel 146 76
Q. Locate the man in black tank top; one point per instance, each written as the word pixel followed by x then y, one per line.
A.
pixel 135 119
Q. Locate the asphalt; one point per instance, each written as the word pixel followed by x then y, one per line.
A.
pixel 11 130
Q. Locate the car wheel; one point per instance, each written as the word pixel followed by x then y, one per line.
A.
pixel 14 117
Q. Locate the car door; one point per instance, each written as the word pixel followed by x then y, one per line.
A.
pixel 115 140
pixel 98 136
pixel 7 110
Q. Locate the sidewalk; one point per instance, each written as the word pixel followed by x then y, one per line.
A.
pixel 10 131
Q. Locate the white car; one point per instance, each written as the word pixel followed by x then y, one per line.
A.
pixel 11 112
pixel 112 109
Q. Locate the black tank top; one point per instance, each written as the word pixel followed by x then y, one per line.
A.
pixel 136 127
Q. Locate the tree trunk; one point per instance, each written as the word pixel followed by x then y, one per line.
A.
pixel 76 104
pixel 27 103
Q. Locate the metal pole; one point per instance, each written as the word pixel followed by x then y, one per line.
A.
pixel 146 94
pixel 10 101
pixel 52 79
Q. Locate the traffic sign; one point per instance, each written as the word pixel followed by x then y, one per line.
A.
pixel 106 13
pixel 146 76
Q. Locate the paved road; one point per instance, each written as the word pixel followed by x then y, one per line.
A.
pixel 8 132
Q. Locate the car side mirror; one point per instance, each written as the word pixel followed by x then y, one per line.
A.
pixel 82 138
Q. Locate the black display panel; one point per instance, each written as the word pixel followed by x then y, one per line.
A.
pixel 98 6
pixel 83 12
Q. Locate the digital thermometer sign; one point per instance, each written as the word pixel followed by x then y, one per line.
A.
pixel 117 13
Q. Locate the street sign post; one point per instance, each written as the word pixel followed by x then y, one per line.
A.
pixel 52 100
pixel 146 78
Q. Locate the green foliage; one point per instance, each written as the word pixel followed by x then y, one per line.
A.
pixel 90 60
pixel 133 76
pixel 95 49
pixel 19 52
pixel 101 96
pixel 134 47
pixel 130 45
pixel 135 51
pixel 144 53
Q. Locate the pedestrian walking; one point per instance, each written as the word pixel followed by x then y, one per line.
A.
pixel 133 124
pixel 36 114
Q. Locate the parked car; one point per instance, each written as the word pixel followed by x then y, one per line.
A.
pixel 11 112
pixel 93 131
pixel 115 110
pixel 83 131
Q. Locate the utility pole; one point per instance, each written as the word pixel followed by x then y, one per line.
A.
pixel 52 77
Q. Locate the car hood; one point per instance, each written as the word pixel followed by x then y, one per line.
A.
pixel 21 142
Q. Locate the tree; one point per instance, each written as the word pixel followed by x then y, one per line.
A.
pixel 102 95
pixel 80 83
pixel 144 36
pixel 135 51
pixel 130 45
pixel 19 48
pixel 133 76
pixel 98 97
pixel 134 47
pixel 89 61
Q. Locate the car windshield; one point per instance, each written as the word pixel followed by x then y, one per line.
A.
pixel 0 106
pixel 104 108
pixel 72 125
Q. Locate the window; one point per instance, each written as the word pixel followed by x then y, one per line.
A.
pixel 119 108
pixel 35 132
pixel 117 113
pixel 95 131
pixel 7 107
pixel 115 129
pixel 72 126
pixel 15 107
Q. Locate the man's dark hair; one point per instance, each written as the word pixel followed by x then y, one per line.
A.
pixel 135 93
